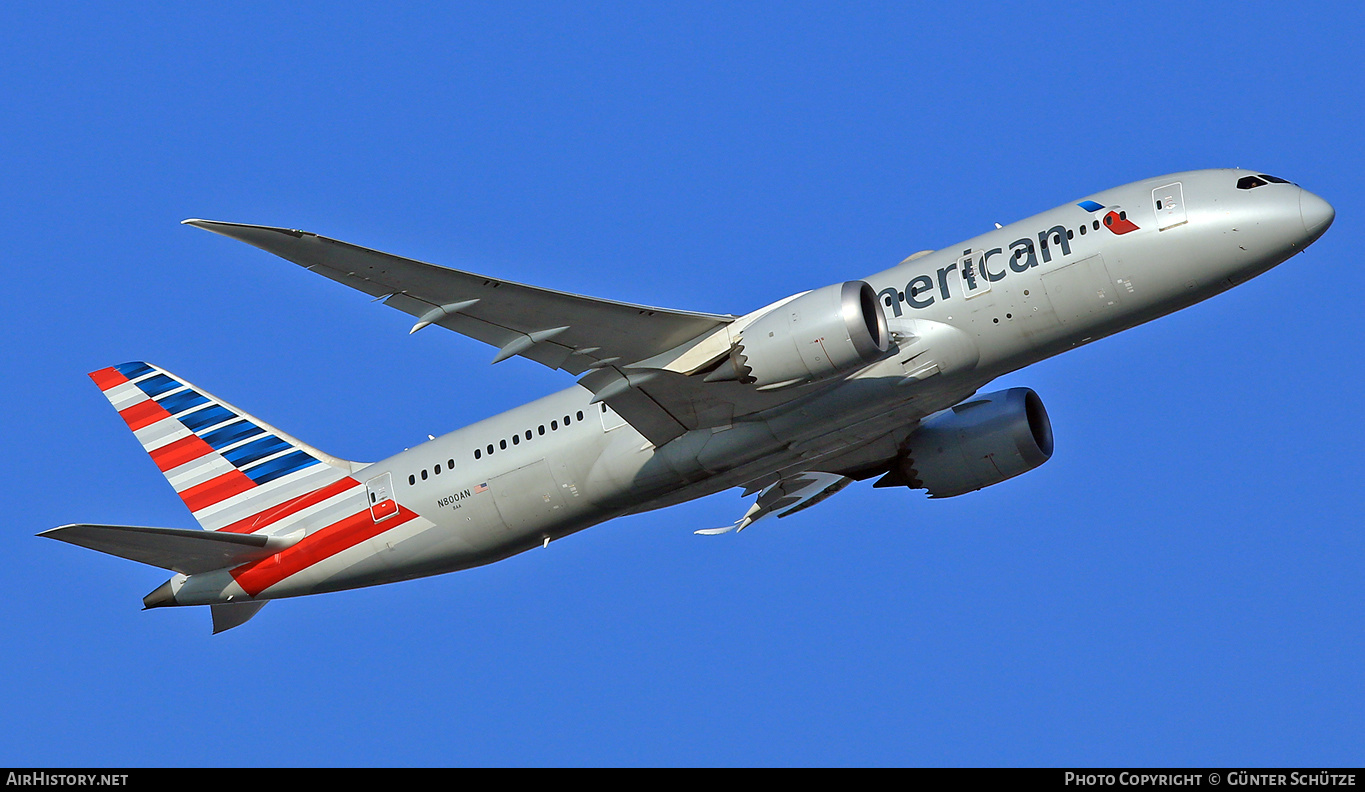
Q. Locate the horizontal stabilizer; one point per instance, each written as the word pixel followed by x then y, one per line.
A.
pixel 180 550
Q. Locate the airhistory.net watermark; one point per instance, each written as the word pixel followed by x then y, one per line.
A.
pixel 66 779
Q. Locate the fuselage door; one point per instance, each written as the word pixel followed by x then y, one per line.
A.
pixel 1169 202
pixel 528 498
pixel 379 492
pixel 1081 292
pixel 610 420
pixel 969 269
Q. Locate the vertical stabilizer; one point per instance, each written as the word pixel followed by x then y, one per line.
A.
pixel 232 470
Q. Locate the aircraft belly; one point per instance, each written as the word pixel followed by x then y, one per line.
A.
pixel 364 564
pixel 415 549
pixel 425 551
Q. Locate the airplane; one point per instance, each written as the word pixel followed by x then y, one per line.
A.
pixel 874 378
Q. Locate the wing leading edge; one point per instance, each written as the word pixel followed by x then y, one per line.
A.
pixel 637 359
pixel 557 329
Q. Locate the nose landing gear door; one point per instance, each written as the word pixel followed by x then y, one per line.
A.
pixel 379 492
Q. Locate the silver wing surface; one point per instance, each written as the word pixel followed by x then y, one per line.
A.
pixel 637 359
pixel 557 329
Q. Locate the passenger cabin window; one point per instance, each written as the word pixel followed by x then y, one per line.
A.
pixel 516 440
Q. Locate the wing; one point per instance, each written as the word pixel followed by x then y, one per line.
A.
pixel 557 329
pixel 578 334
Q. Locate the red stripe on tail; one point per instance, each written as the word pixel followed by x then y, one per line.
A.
pixel 107 378
pixel 144 413
pixel 173 455
pixel 215 490
pixel 279 511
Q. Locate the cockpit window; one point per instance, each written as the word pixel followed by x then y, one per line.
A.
pixel 1252 182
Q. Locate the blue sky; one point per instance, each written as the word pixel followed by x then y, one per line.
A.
pixel 1180 585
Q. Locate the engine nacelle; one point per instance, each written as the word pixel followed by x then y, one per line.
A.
pixel 980 442
pixel 820 334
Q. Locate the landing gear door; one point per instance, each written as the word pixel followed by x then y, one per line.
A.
pixel 379 492
pixel 1169 202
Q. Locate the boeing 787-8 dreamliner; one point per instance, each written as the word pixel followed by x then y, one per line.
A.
pixel 872 378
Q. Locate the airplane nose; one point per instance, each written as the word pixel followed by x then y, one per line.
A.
pixel 1317 214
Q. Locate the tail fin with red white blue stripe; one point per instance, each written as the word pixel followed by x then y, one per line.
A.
pixel 231 469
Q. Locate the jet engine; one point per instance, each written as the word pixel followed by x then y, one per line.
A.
pixel 811 337
pixel 980 442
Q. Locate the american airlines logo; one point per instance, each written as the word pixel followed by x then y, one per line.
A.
pixel 975 270
pixel 1116 220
